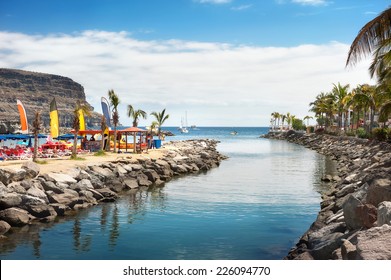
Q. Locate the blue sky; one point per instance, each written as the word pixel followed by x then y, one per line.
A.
pixel 225 62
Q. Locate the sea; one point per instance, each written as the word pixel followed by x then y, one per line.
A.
pixel 254 206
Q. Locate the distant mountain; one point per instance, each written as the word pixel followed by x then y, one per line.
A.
pixel 36 91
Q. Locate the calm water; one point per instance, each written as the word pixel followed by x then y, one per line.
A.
pixel 254 206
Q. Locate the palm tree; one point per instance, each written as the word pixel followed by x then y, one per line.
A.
pixel 160 117
pixel 114 101
pixel 340 92
pixel 276 116
pixel 36 128
pixel 307 118
pixel 136 114
pixel 372 98
pixel 385 112
pixel 79 106
pixel 374 34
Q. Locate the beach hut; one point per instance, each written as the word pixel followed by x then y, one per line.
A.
pixel 135 131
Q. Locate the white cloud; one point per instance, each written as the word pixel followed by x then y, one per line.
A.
pixel 311 2
pixel 216 83
pixel 241 8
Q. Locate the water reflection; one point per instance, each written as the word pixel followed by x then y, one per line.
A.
pixel 252 207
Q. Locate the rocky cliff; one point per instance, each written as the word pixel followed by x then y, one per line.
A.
pixel 36 91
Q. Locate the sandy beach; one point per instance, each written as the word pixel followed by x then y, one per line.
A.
pixel 62 164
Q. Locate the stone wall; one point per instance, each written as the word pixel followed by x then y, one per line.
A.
pixel 27 196
pixel 355 216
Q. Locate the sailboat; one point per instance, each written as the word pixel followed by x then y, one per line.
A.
pixel 183 127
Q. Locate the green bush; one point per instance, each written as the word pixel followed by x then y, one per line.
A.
pixel 361 133
pixel 380 134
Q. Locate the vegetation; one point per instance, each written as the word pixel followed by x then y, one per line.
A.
pixel 362 111
pixel 160 117
pixel 136 114
pixel 114 101
pixel 100 153
pixel 36 128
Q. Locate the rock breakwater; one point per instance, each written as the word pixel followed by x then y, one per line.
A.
pixel 27 196
pixel 354 221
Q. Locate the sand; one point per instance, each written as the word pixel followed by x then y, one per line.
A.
pixel 61 165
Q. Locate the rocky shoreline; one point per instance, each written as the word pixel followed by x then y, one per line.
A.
pixel 355 216
pixel 27 196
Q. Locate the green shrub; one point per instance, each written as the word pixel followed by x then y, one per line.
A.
pixel 361 133
pixel 100 153
pixel 380 134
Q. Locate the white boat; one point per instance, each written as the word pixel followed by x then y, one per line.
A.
pixel 183 127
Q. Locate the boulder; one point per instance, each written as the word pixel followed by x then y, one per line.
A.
pixel 152 175
pixel 135 167
pixel 374 243
pixel 304 256
pixel 97 195
pixel 324 248
pixel 379 190
pixel 120 171
pixel 61 178
pixel 83 184
pixel 32 169
pixel 105 172
pixel 10 200
pixel 31 200
pixel 108 195
pixel 15 216
pixel 17 187
pixel 5 176
pixel 352 219
pixel 367 214
pixel 42 211
pixel 131 183
pixel 69 197
pixel 314 236
pixel 18 175
pixel 4 227
pixel 60 208
pixel 50 186
pixel 88 197
pixel 37 192
pixel 384 213
pixel 348 250
pixel 346 190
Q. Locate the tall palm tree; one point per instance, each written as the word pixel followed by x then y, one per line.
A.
pixel 114 101
pixel 36 128
pixel 160 117
pixel 276 117
pixel 340 92
pixel 372 99
pixel 136 114
pixel 79 106
pixel 373 35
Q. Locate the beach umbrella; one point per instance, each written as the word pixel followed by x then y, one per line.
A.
pixel 68 136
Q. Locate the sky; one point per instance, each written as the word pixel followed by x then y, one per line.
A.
pixel 221 62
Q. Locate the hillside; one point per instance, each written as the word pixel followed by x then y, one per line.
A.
pixel 36 91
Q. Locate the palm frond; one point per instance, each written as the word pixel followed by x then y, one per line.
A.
pixel 369 37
